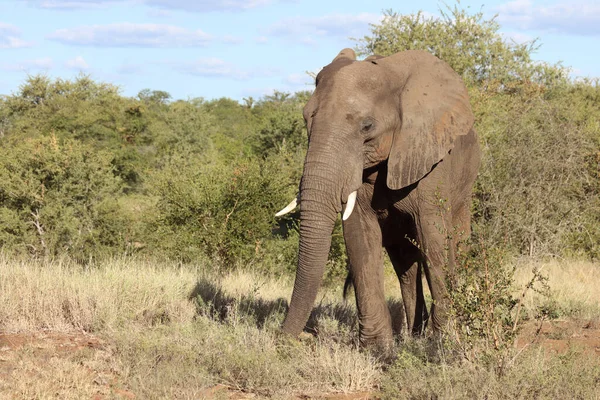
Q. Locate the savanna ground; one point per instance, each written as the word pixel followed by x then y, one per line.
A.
pixel 132 329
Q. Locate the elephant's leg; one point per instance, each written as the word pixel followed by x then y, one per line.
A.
pixel 434 239
pixel 461 220
pixel 405 260
pixel 362 234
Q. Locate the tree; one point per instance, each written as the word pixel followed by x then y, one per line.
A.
pixel 154 96
pixel 470 44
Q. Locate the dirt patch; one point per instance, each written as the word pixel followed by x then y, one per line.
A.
pixel 45 346
pixel 59 365
pixel 226 392
pixel 343 396
pixel 562 335
pixel 57 341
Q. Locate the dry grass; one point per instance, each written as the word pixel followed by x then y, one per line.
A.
pixel 169 331
pixel 175 331
pixel 535 374
pixel 61 297
pixel 574 288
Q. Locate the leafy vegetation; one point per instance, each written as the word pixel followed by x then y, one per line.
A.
pixel 87 172
pixel 59 197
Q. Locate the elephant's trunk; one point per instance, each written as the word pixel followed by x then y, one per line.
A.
pixel 320 202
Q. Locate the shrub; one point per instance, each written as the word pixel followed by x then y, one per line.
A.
pixel 537 190
pixel 221 210
pixel 83 110
pixel 281 123
pixel 59 197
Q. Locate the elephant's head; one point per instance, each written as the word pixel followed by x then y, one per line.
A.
pixel 406 110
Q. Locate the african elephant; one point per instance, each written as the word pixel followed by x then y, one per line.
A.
pixel 392 144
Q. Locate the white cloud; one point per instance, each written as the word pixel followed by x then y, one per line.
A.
pixel 258 92
pixel 131 35
pixel 207 5
pixel 308 30
pixel 568 17
pixel 77 63
pixel 217 68
pixel 183 5
pixel 292 83
pixel 308 40
pixel 214 68
pixel 10 37
pixel 37 64
pixel 160 13
pixel 262 39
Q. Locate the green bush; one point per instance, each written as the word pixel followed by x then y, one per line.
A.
pixel 221 210
pixel 181 126
pixel 537 191
pixel 83 110
pixel 281 123
pixel 57 198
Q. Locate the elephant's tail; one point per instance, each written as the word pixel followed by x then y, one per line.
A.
pixel 347 285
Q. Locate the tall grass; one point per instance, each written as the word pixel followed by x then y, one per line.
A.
pixel 60 296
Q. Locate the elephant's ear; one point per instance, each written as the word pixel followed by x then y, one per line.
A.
pixel 434 110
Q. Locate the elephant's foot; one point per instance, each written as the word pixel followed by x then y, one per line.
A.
pixel 439 318
pixel 379 342
pixel 380 347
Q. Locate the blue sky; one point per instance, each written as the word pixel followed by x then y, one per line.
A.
pixel 241 48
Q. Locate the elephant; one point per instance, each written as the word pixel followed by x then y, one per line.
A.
pixel 391 143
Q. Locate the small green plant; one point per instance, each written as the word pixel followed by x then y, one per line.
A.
pixel 481 302
pixel 484 313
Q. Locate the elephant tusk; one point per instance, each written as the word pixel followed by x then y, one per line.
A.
pixel 289 207
pixel 349 205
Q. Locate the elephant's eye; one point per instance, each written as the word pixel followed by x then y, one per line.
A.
pixel 366 125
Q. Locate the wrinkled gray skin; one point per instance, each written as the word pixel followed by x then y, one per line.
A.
pixel 398 129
